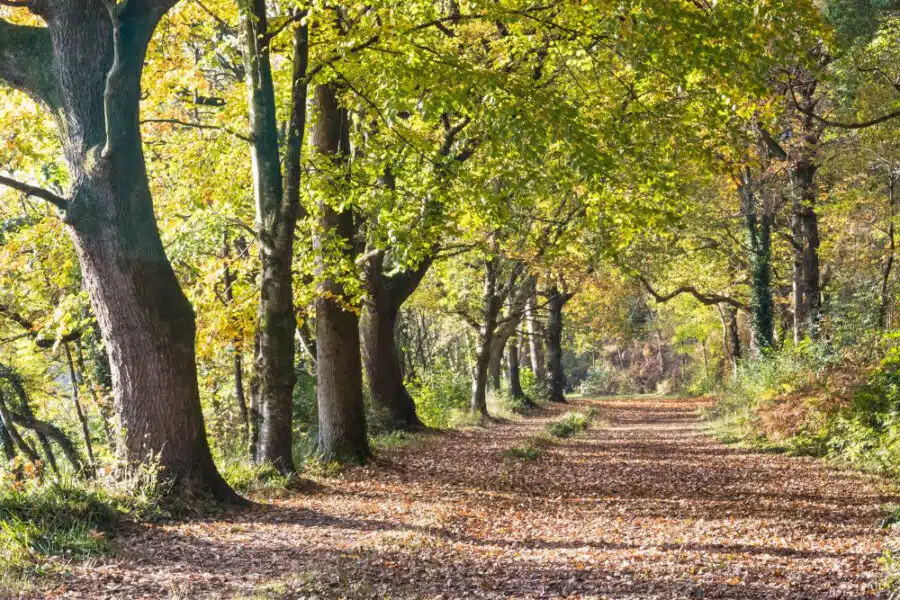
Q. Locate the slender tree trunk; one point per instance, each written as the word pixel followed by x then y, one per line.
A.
pixel 15 438
pixel 342 419
pixel 101 410
pixel 9 448
pixel 237 365
pixel 82 419
pixel 515 382
pixel 535 338
pixel 886 300
pixel 277 210
pixel 484 339
pixel 556 378
pixel 798 281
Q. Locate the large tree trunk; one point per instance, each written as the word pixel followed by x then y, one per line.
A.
pixel 277 210
pixel 495 363
pixel 146 321
pixel 342 419
pixel 384 371
pixel 798 283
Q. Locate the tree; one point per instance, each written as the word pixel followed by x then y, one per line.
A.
pixel 277 210
pixel 85 67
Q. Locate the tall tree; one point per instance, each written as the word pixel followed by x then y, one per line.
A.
pixel 277 210
pixel 85 68
pixel 342 419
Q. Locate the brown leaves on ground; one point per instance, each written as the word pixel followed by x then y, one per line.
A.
pixel 646 507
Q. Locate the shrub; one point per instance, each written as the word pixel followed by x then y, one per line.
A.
pixel 570 424
pixel 439 394
pixel 530 449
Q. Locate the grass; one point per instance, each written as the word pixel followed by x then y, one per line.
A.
pixel 531 448
pixel 571 424
pixel 40 521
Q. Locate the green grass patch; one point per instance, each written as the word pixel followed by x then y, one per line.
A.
pixel 571 424
pixel 39 521
pixel 531 448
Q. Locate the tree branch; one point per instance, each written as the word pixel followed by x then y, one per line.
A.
pixel 25 57
pixel 190 124
pixel 31 190
pixel 707 299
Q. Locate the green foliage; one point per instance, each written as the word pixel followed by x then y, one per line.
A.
pixel 441 396
pixel 599 381
pixel 534 389
pixel 530 449
pixel 571 424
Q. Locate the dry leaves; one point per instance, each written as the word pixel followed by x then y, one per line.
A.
pixel 646 508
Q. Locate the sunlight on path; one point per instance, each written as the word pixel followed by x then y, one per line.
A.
pixel 646 507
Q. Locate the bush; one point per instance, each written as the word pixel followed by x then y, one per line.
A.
pixel 570 424
pixel 534 389
pixel 440 394
pixel 530 449
pixel 843 405
pixel 599 381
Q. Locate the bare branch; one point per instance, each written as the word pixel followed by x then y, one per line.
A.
pixel 190 124
pixel 31 190
pixel 703 298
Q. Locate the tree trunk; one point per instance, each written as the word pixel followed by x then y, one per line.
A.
pixel 277 210
pixel 384 371
pixel 759 236
pixel 886 300
pixel 556 378
pixel 82 419
pixel 798 282
pixel 145 319
pixel 342 419
pixel 515 383
pixel 535 338
pixel 495 363
pixel 484 339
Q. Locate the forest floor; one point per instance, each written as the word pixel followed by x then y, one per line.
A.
pixel 644 505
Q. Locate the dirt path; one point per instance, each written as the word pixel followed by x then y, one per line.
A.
pixel 646 507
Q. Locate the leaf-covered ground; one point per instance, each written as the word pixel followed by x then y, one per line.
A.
pixel 643 506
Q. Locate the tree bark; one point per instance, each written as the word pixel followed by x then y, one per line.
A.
pixel 484 339
pixel 86 67
pixel 342 419
pixel 495 363
pixel 381 359
pixel 535 338
pixel 556 377
pixel 277 210
pixel 759 236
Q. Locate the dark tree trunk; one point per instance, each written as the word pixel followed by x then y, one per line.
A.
pixel 885 303
pixel 484 339
pixel 495 364
pixel 9 449
pixel 384 371
pixel 15 438
pixel 556 377
pixel 101 410
pixel 342 419
pixel 515 383
pixel 146 321
pixel 277 210
pixel 759 236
